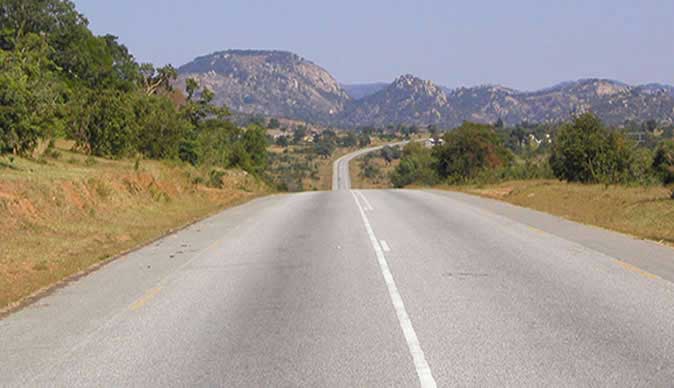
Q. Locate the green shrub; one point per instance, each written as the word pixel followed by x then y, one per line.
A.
pixel 370 171
pixel 663 161
pixel 585 151
pixel 469 150
pixel 416 166
pixel 215 178
pixel 104 123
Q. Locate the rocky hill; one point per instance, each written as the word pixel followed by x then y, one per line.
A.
pixel 408 100
pixel 358 91
pixel 272 83
pixel 282 84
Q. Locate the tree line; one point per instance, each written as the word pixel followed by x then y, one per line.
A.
pixel 583 150
pixel 58 79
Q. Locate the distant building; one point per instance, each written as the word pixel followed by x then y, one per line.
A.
pixel 430 143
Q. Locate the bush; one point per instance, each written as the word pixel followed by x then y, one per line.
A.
pixel 104 123
pixel 585 151
pixel 370 171
pixel 663 161
pixel 469 150
pixel 215 178
pixel 161 129
pixel 416 166
pixel 390 154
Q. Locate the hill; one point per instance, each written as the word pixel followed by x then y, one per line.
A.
pixel 282 84
pixel 272 83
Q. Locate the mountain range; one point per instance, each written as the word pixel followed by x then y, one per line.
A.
pixel 283 84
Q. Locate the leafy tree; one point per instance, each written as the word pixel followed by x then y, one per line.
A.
pixel 162 129
pixel 125 71
pixel 30 100
pixel 105 123
pixel 585 151
pixel 468 150
pixel 155 80
pixel 364 140
pixel 324 146
pixel 191 87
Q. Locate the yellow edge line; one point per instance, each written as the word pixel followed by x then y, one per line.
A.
pixel 153 292
pixel 637 270
pixel 149 295
pixel 621 263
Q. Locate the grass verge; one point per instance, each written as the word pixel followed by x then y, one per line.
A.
pixel 645 212
pixel 61 216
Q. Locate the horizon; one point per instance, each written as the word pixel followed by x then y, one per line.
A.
pixel 387 82
pixel 453 45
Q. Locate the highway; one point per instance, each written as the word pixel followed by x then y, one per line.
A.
pixel 360 288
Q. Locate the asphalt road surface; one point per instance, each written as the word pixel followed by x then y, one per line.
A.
pixel 360 288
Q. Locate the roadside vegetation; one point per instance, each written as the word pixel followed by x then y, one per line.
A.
pixel 580 170
pixel 301 160
pixel 68 211
pixel 60 81
pixel 98 153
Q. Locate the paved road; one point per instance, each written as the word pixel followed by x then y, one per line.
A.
pixel 360 288
pixel 341 179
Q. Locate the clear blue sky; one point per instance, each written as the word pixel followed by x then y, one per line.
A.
pixel 525 44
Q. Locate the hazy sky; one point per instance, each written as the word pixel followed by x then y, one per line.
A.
pixel 524 44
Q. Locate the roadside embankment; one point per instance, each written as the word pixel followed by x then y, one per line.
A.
pixel 64 215
pixel 645 212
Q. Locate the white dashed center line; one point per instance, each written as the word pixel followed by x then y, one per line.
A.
pixel 423 370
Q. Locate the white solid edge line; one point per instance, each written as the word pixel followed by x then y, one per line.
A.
pixel 423 370
pixel 385 246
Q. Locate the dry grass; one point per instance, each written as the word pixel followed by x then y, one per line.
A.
pixel 646 212
pixel 381 181
pixel 59 217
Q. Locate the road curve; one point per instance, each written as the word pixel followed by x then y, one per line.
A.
pixel 341 179
pixel 360 288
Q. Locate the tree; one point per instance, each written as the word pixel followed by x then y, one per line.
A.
pixel 585 151
pixel 468 150
pixel 416 166
pixel 162 130
pixel 364 140
pixel 650 125
pixel 389 154
pixel 663 161
pixel 254 142
pixel 299 134
pixel 104 123
pixel 155 80
pixel 349 140
pixel 282 141
pixel 125 73
pixel 191 87
pixel 29 95
pixel 273 123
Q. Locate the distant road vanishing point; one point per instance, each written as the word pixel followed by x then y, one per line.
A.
pixel 360 288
